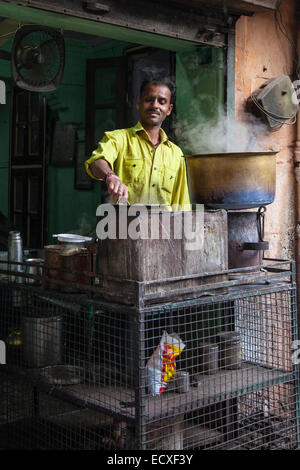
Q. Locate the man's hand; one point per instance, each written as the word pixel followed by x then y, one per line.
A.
pixel 101 169
pixel 116 188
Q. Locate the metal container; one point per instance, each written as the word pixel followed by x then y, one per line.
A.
pixel 15 254
pixel 232 180
pixel 230 350
pixel 42 339
pixel 209 358
pixel 182 382
pixel 35 268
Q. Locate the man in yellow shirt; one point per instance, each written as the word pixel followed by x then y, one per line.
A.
pixel 141 164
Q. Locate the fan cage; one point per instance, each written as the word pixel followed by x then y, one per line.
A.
pixel 38 57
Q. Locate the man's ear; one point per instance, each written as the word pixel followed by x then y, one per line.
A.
pixel 170 109
pixel 138 103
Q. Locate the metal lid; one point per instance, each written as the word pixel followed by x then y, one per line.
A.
pixel 14 234
pixel 72 238
pixel 210 345
pixel 228 336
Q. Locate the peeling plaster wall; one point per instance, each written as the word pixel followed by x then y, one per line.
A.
pixel 264 52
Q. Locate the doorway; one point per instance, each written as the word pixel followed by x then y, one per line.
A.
pixel 144 63
pixel 27 167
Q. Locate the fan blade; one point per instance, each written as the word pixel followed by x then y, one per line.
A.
pixel 36 74
pixel 50 51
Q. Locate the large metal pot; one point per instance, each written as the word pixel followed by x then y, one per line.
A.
pixel 232 180
pixel 42 341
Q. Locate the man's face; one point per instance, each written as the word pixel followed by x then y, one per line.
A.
pixel 154 105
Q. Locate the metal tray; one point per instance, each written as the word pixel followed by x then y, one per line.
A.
pixel 61 374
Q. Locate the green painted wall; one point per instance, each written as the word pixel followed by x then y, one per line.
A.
pixel 69 209
pixel 199 97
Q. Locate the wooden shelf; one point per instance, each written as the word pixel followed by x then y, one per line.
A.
pixel 214 388
pixel 197 436
pixel 211 389
pixel 121 401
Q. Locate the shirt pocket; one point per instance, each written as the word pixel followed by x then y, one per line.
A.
pixel 133 170
pixel 168 179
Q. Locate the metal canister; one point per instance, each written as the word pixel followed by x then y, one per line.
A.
pixel 209 358
pixel 15 254
pixel 42 339
pixel 182 382
pixel 35 268
pixel 230 350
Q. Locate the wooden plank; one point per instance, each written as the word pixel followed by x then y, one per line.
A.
pixel 210 389
pixel 226 384
pixel 81 417
pixel 196 436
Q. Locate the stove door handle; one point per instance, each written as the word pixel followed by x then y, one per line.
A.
pixel 259 246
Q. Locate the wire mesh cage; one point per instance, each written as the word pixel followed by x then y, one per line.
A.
pixel 213 372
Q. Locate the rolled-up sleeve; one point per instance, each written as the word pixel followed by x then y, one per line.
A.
pixel 180 196
pixel 108 149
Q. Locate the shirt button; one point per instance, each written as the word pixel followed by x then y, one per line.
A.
pixel 152 150
pixel 155 168
pixel 153 185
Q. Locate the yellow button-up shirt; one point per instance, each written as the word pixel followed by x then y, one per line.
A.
pixel 154 175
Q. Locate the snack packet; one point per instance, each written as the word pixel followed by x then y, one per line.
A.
pixel 161 367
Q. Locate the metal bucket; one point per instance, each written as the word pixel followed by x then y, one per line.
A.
pixel 232 180
pixel 42 341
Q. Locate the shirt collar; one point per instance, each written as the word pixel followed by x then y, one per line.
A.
pixel 163 136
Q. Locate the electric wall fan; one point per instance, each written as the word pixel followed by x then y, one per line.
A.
pixel 38 58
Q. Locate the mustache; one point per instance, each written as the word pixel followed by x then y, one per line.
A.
pixel 154 111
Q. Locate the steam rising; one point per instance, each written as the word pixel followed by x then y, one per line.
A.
pixel 222 135
pixel 85 225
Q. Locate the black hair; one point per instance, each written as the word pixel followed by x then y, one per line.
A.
pixel 165 81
